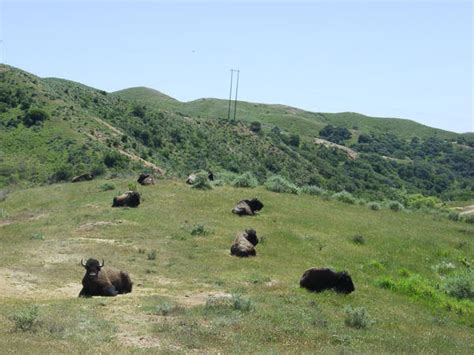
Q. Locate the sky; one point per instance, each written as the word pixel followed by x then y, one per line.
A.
pixel 406 59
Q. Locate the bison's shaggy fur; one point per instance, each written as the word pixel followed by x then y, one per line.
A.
pixel 247 207
pixel 244 244
pixel 146 179
pixel 103 281
pixel 127 199
pixel 318 280
pixel 83 177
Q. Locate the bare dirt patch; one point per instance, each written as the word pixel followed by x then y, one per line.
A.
pixel 92 225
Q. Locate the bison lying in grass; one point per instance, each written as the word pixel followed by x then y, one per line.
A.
pixel 244 244
pixel 247 207
pixel 318 280
pixel 127 199
pixel 146 179
pixel 83 177
pixel 99 281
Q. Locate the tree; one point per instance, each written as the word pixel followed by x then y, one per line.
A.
pixel 34 116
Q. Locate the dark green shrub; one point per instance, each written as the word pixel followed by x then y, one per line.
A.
pixel 469 218
pixel 358 239
pixel 374 206
pixel 26 319
pixel 256 127
pixel 277 183
pixel 454 216
pixel 395 206
pixel 357 317
pixel 247 179
pixel 34 116
pixel 107 187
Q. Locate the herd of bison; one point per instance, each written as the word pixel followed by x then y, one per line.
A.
pixel 104 281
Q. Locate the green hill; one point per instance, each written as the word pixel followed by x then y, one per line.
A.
pixel 52 129
pixel 190 296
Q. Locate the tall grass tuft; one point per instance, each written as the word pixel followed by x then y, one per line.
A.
pixel 357 317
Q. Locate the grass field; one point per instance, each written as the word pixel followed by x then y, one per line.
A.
pixel 191 296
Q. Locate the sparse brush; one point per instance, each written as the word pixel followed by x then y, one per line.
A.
pixel 313 190
pixel 241 303
pixel 107 187
pixel 460 285
pixel 469 218
pixel 26 319
pixel 357 317
pixel 199 229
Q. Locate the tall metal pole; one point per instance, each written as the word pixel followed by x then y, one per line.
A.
pixel 236 91
pixel 230 93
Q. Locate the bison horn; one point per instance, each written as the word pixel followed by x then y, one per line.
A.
pixel 103 263
pixel 82 263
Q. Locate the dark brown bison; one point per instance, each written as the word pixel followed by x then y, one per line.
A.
pixel 127 199
pixel 100 281
pixel 247 207
pixel 83 177
pixel 244 244
pixel 318 280
pixel 146 179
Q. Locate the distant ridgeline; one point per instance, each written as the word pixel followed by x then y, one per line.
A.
pixel 52 129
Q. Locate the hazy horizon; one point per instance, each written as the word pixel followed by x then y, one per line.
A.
pixel 409 60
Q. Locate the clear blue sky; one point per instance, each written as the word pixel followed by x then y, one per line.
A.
pixel 409 59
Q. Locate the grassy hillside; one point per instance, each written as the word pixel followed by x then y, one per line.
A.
pixel 52 129
pixel 191 296
pixel 288 118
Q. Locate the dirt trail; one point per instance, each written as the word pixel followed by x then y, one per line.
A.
pixel 465 210
pixel 352 154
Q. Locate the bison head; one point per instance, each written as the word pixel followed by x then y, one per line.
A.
pixel 344 283
pixel 255 204
pixel 92 267
pixel 251 236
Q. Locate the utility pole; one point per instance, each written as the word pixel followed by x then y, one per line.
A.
pixel 236 91
pixel 230 93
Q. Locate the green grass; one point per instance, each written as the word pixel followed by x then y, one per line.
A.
pixel 193 296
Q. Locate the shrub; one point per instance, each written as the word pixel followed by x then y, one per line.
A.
pixel 242 304
pixel 279 184
pixel 469 218
pixel 132 186
pixel 395 206
pixel 256 127
pixel 107 187
pixel 420 201
pixel 199 229
pixel 35 117
pixel 202 182
pixel 357 317
pixel 374 206
pixel 386 283
pixel 345 197
pixel 444 268
pixel 247 179
pixel 151 255
pixel 460 285
pixel 313 190
pixel 37 236
pixel 358 239
pixel 26 319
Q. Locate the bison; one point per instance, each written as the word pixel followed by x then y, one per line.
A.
pixel 244 244
pixel 247 207
pixel 83 177
pixel 146 179
pixel 318 280
pixel 127 199
pixel 100 281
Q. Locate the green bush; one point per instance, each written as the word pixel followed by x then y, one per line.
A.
pixel 460 285
pixel 357 317
pixel 358 239
pixel 395 206
pixel 374 206
pixel 247 179
pixel 242 304
pixel 34 117
pixel 202 182
pixel 420 201
pixel 345 197
pixel 26 319
pixel 199 229
pixel 276 183
pixel 313 190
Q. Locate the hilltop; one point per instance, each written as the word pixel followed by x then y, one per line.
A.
pixel 52 129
